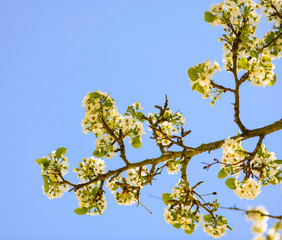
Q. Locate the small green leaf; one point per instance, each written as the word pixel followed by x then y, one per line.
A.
pixel 222 219
pixel 94 95
pixel 177 225
pixel 61 152
pixel 136 142
pixel 81 211
pixel 209 17
pixel 230 182
pixel 208 218
pixel 94 191
pixel 278 161
pixel 108 104
pixel 269 37
pixel 224 172
pixel 243 63
pixel 192 73
pixel 166 198
pixel 191 230
pixel 99 154
pixel 274 181
pixel 141 116
pixel 195 86
pixel 46 181
pixel 98 209
pixel 273 81
pixel 200 89
pixel 44 161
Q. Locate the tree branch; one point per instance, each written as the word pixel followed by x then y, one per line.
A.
pixel 276 126
pixel 273 40
pixel 252 211
pixel 224 89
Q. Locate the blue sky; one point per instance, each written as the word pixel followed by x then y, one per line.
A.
pixel 54 52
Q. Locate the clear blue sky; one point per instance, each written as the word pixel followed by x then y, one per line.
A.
pixel 52 53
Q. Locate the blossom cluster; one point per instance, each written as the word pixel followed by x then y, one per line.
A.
pixel 259 220
pixel 232 153
pixel 215 227
pixel 169 126
pixel 90 201
pixel 180 216
pixel 257 216
pixel 239 20
pixel 137 176
pixel 103 119
pixel 266 166
pixel 180 213
pixel 248 189
pixel 233 156
pixel 200 79
pixel 236 17
pixel 271 9
pixel 173 165
pixel 261 71
pixel 127 194
pixel 53 167
pixel 100 110
pixel 90 168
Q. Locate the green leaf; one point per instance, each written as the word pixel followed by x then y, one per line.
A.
pixel 108 104
pixel 200 89
pixel 230 182
pixel 273 81
pixel 94 95
pixel 166 197
pixel 177 225
pixel 243 63
pixel 209 17
pixel 141 116
pixel 191 230
pixel 136 142
pixel 222 219
pixel 278 161
pixel 94 191
pixel 61 152
pixel 44 161
pixel 275 181
pixel 99 154
pixel 194 87
pixel 81 211
pixel 46 181
pixel 192 73
pixel 208 218
pixel 269 37
pixel 224 172
pixel 98 209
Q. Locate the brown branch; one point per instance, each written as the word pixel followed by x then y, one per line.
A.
pixel 273 40
pixel 224 89
pixel 237 119
pixel 244 77
pixel 276 126
pixel 159 120
pixel 119 139
pixel 277 13
pixel 184 173
pixel 252 211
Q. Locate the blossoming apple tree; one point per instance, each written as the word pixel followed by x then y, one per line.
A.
pixel 249 59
